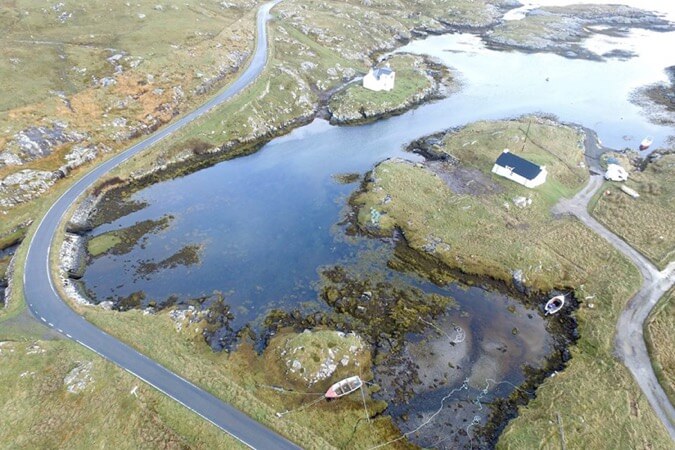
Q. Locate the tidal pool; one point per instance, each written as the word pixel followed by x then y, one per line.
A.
pixel 267 223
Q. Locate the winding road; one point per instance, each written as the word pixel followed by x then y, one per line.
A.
pixel 46 305
pixel 630 345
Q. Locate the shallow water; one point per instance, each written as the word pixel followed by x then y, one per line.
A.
pixel 268 222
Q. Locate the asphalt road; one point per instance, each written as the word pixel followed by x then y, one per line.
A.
pixel 46 305
pixel 630 345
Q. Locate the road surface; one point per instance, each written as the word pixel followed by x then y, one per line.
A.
pixel 47 306
pixel 630 345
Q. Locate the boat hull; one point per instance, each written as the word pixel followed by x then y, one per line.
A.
pixel 344 387
pixel 646 142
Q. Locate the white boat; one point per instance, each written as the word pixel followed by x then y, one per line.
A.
pixel 646 142
pixel 344 387
pixel 554 305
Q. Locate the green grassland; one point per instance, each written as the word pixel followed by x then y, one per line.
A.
pixel 598 402
pixel 114 410
pixel 660 334
pixel 51 45
pixel 246 380
pixel 646 223
pixel 412 84
pixel 316 46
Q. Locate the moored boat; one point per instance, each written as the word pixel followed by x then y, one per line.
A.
pixel 646 142
pixel 554 304
pixel 344 387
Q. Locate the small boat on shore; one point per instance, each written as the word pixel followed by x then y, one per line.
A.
pixel 646 142
pixel 344 387
pixel 554 305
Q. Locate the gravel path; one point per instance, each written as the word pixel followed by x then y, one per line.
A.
pixel 630 345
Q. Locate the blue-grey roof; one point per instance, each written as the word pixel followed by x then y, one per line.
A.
pixel 382 71
pixel 520 166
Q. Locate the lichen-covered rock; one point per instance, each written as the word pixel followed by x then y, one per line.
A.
pixel 79 377
pixel 25 185
pixel 80 221
pixel 37 142
pixel 73 256
pixel 314 356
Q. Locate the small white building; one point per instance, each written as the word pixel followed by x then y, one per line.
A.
pixel 380 79
pixel 616 173
pixel 519 170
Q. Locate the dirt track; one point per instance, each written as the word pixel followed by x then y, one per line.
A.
pixel 630 345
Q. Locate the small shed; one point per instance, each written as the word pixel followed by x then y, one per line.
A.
pixel 616 173
pixel 380 79
pixel 519 170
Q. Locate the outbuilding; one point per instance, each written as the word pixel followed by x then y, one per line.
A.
pixel 380 79
pixel 616 173
pixel 519 170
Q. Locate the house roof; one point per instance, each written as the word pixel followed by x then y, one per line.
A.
pixel 520 166
pixel 382 71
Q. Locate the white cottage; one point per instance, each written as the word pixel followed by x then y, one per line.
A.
pixel 381 79
pixel 519 170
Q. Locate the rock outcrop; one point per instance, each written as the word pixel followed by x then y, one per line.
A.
pixel 25 185
pixel 72 256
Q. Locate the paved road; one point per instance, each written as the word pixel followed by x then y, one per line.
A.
pixel 46 305
pixel 630 345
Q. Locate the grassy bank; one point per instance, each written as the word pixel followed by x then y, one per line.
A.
pixel 646 223
pixel 246 380
pixel 465 218
pixel 113 409
pixel 659 334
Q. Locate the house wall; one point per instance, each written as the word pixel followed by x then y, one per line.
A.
pixel 385 83
pixel 538 180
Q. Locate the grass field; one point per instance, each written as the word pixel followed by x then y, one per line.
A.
pixel 484 236
pixel 113 410
pixel 358 103
pixel 646 223
pixel 504 236
pixel 62 46
pixel 660 334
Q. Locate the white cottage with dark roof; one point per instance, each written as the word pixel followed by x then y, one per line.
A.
pixel 380 79
pixel 519 170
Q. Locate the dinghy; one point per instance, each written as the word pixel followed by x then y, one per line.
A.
pixel 344 387
pixel 646 142
pixel 554 305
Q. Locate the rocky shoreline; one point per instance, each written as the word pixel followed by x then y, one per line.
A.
pixel 658 100
pixel 563 30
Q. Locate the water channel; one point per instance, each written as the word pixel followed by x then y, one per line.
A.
pixel 266 224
